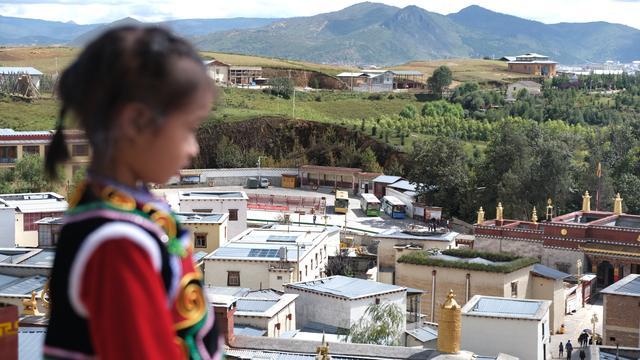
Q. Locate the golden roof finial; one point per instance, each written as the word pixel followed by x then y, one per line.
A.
pixel 480 216
pixel 617 204
pixel 322 351
pixel 499 212
pixel 534 216
pixel 449 326
pixel 549 209
pixel 30 306
pixel 586 202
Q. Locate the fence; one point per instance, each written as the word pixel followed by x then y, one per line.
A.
pixel 285 202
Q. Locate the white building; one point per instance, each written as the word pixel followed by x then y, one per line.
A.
pixel 340 301
pixel 518 327
pixel 269 258
pixel 232 202
pixel 532 87
pixel 258 312
pixel 19 214
pixel 15 72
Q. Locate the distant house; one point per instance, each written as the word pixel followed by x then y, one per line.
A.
pixel 10 72
pixel 533 64
pixel 19 214
pixel 233 203
pixel 218 71
pixel 244 75
pixel 508 58
pixel 368 81
pixel 532 87
pixel 621 326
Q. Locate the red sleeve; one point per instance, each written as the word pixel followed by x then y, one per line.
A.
pixel 125 299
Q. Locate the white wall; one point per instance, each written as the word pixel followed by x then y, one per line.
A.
pixel 338 312
pixel 220 206
pixel 517 337
pixel 7 227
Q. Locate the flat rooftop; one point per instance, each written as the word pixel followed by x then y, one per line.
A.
pixel 34 202
pixel 27 256
pixel 212 195
pixel 259 303
pixel 490 306
pixel 346 287
pixel 16 285
pixel 627 286
pixel 200 218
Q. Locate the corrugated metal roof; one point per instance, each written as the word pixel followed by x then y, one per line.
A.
pixel 248 331
pixel 351 288
pixel 6 279
pixel 19 70
pixel 629 285
pixel 24 286
pixel 11 132
pixel 387 179
pixel 548 272
pixel 506 306
pixel 43 258
pixel 424 334
pixel 187 218
pixel 404 185
pixel 407 72
pixel 30 343
pixel 255 305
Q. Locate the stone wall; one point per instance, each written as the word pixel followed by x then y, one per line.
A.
pixel 621 320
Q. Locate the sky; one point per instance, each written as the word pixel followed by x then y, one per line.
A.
pixel 98 11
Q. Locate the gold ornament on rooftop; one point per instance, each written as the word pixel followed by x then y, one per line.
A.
pixel 617 204
pixel 30 306
pixel 480 216
pixel 449 326
pixel 499 212
pixel 549 209
pixel 322 351
pixel 586 202
pixel 534 216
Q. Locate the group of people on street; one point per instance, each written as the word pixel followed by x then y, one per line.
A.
pixel 567 348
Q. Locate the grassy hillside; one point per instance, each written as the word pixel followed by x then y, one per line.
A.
pixel 45 59
pixel 481 71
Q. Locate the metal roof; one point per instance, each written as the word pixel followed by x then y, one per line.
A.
pixel 19 70
pixel 506 307
pixel 248 331
pixel 399 234
pixel 387 179
pixel 347 287
pixel 255 305
pixel 407 72
pixel 547 272
pixel 629 286
pixel 35 202
pixel 11 132
pixel 404 185
pixel 43 258
pixel 187 218
pixel 25 285
pixel 424 334
pixel 392 200
pixel 202 195
pixel 31 342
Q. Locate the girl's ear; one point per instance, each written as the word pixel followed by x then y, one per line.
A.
pixel 133 120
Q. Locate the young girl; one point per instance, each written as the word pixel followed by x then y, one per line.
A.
pixel 123 284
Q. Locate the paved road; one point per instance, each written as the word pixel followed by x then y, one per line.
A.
pixel 574 324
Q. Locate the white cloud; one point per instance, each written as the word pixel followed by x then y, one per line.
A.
pixel 548 11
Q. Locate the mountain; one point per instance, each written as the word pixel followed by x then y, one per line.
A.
pixel 369 33
pixel 19 31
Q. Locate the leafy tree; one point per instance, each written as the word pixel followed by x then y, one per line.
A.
pixel 439 80
pixel 282 87
pixel 440 168
pixel 29 175
pixel 394 167
pixel 338 265
pixel 369 162
pixel 380 325
pixel 228 154
pixel 409 112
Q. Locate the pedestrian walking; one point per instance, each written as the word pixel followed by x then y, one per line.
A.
pixel 582 355
pixel 314 218
pixel 569 349
pixel 561 350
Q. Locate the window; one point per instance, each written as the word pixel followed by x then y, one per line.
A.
pixel 233 214
pixel 377 301
pixel 202 210
pixel 200 240
pixel 564 267
pixel 31 150
pixel 311 264
pixel 514 289
pixel 233 278
pixel 80 150
pixel 279 277
pixel 543 325
pixel 306 270
pixel 316 259
pixel 8 154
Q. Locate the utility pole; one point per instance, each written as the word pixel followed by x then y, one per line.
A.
pixel 294 102
pixel 259 177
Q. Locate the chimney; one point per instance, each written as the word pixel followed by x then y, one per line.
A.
pixel 224 319
pixel 9 331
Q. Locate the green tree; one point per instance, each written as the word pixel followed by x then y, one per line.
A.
pixel 439 80
pixel 282 87
pixel 338 265
pixel 29 175
pixel 228 154
pixel 369 162
pixel 380 325
pixel 440 168
pixel 409 112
